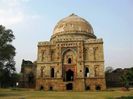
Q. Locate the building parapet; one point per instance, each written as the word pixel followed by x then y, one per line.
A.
pixel 100 40
pixel 44 43
pixel 69 39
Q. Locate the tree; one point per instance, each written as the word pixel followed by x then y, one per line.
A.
pixel 125 81
pixel 127 78
pixel 7 53
pixel 15 78
pixel 109 69
pixel 108 77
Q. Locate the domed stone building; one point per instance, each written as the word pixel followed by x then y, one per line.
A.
pixel 73 59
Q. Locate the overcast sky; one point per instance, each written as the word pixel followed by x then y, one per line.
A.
pixel 34 20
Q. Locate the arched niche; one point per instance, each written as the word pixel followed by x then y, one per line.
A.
pixel 98 87
pixel 52 72
pixel 69 56
pixel 87 72
pixel 41 88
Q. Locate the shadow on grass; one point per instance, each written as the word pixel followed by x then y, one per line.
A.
pixel 125 97
pixel 8 94
pixel 20 89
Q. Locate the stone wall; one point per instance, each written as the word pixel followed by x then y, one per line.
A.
pixel 93 83
pixel 84 54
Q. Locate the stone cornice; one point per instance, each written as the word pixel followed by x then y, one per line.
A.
pixel 48 62
pixel 95 61
pixel 89 35
pixel 100 40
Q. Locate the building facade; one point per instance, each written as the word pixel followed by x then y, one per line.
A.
pixel 73 59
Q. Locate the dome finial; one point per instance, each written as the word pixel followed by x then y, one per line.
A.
pixel 72 14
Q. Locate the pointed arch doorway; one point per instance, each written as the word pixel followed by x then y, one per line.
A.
pixel 69 86
pixel 69 75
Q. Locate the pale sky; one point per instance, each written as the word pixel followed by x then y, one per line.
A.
pixel 34 20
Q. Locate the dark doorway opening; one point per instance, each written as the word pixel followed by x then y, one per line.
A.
pixel 87 88
pixel 50 88
pixel 86 71
pixel 69 75
pixel 41 88
pixel 69 60
pixel 98 87
pixel 69 86
pixel 52 72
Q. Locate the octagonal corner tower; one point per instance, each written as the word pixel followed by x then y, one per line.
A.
pixel 73 59
pixel 73 26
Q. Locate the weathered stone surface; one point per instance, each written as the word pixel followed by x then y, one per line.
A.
pixel 28 72
pixel 73 59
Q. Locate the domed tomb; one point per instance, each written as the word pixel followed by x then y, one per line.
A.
pixel 73 26
pixel 72 60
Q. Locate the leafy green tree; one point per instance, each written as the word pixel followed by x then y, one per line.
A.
pixel 7 53
pixel 125 81
pixel 15 78
pixel 127 78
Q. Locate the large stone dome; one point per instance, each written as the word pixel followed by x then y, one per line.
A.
pixel 73 25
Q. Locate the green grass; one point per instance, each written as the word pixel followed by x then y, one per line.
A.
pixel 31 94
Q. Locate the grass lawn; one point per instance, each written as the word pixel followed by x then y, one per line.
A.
pixel 31 94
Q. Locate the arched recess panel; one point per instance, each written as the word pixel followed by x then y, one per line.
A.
pixel 69 56
pixel 69 62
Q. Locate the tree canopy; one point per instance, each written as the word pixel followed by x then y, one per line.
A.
pixel 7 53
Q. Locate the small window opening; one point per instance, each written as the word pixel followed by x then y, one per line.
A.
pixel 50 88
pixel 98 87
pixel 86 72
pixel 41 88
pixel 69 60
pixel 52 72
pixel 87 87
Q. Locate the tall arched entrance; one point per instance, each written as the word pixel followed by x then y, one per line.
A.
pixel 69 65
